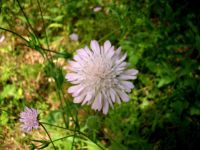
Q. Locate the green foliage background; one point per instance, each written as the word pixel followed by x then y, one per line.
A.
pixel 162 40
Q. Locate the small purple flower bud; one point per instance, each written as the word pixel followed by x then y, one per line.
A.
pixel 29 119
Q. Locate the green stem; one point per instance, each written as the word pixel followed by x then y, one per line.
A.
pixel 107 35
pixel 48 135
pixel 14 34
pixel 43 23
pixel 69 110
pixel 56 126
pixel 48 50
pixel 29 24
pixel 74 137
pixel 25 16
pixel 61 103
pixel 62 138
pixel 79 132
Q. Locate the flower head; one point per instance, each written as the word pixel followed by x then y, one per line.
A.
pixel 100 76
pixel 74 37
pixel 97 9
pixel 29 119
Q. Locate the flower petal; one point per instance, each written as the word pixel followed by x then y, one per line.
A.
pixel 73 89
pixel 110 52
pixel 77 92
pixel 105 107
pixel 97 104
pixel 95 47
pixel 107 97
pixel 72 76
pixel 131 72
pixel 79 98
pixel 121 59
pixel 112 94
pixel 127 84
pixel 88 97
pixel 106 46
pixel 126 77
pixel 123 95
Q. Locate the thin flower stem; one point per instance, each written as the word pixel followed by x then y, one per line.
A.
pixel 15 34
pixel 63 138
pixel 67 103
pixel 43 23
pixel 56 126
pixel 29 24
pixel 48 50
pixel 25 16
pixel 107 35
pixel 74 136
pixel 61 103
pixel 44 29
pixel 48 135
pixel 79 132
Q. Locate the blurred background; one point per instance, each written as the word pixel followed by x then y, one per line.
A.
pixel 162 40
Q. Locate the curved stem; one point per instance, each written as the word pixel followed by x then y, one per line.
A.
pixel 62 138
pixel 14 34
pixel 48 50
pixel 25 16
pixel 48 135
pixel 79 132
pixel 107 35
pixel 56 126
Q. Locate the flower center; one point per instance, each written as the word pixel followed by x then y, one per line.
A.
pixel 98 72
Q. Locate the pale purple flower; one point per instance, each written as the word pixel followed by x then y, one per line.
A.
pixel 74 37
pixel 29 119
pixel 96 9
pixel 100 76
